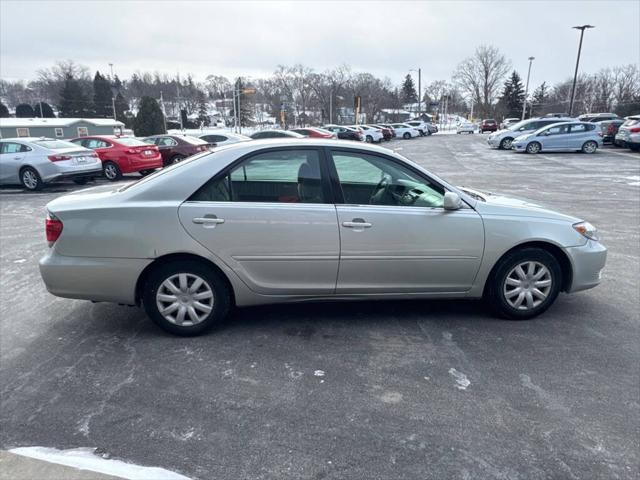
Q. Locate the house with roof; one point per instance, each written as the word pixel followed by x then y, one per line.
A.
pixel 58 127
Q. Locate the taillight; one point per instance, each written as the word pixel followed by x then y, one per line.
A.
pixel 58 158
pixel 634 130
pixel 53 228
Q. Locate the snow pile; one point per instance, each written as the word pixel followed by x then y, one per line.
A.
pixel 85 459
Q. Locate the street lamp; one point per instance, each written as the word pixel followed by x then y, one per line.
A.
pixel 582 28
pixel 526 89
pixel 419 87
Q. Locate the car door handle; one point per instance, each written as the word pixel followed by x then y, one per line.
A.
pixel 213 220
pixel 357 223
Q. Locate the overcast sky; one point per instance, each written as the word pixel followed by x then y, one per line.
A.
pixel 251 38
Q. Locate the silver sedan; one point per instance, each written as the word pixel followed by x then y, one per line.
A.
pixel 294 220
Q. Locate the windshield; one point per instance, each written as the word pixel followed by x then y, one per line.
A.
pixel 131 142
pixel 55 144
pixel 516 126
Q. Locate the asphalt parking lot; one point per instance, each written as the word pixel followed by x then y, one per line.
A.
pixel 378 390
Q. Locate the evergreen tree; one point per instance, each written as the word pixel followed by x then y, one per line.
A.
pixel 149 120
pixel 4 111
pixel 122 106
pixel 203 117
pixel 73 101
pixel 24 110
pixel 539 98
pixel 408 92
pixel 512 99
pixel 102 97
pixel 44 110
pixel 117 83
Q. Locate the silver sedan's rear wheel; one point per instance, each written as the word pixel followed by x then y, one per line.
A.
pixel 524 283
pixel 30 179
pixel 186 297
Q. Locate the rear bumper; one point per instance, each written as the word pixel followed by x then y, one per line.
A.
pixel 588 261
pixel 98 279
pixel 147 164
pixel 60 173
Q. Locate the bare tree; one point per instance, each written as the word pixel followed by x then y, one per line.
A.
pixel 481 75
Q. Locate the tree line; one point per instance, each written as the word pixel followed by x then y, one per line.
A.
pixel 484 82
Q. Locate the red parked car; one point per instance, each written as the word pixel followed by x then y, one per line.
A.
pixel 488 125
pixel 174 148
pixel 315 132
pixel 122 154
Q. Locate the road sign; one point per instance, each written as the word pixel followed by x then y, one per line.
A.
pixel 248 91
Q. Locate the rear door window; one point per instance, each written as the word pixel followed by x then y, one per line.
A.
pixel 577 128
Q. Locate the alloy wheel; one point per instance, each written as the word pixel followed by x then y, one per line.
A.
pixel 185 299
pixel 533 147
pixel 29 179
pixel 527 285
pixel 589 147
pixel 110 172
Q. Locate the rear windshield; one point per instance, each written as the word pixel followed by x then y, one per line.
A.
pixel 55 144
pixel 630 122
pixel 131 142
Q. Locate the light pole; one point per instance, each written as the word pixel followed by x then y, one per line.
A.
pixel 582 28
pixel 526 89
pixel 419 88
pixel 113 99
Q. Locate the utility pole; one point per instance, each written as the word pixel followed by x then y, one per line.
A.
pixel 582 28
pixel 164 113
pixel 331 107
pixel 419 70
pixel 179 107
pixel 526 89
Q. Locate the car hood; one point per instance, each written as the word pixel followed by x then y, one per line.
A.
pixel 490 203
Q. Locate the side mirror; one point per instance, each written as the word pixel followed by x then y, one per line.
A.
pixel 452 201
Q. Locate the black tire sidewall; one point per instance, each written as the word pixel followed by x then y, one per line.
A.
pixel 406 136
pixel 495 295
pixel 221 294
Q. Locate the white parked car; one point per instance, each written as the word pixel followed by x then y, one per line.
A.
pixel 466 127
pixel 422 127
pixel 33 162
pixel 370 134
pixel 405 130
pixel 507 122
pixel 223 138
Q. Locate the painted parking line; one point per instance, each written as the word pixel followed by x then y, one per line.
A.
pixel 624 154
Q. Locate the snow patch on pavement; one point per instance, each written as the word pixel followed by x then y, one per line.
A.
pixel 85 459
pixel 461 379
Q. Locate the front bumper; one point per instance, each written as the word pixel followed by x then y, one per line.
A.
pixel 588 261
pixel 97 279
pixel 493 142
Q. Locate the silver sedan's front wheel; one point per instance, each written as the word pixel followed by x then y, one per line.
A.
pixel 527 285
pixel 186 297
pixel 524 283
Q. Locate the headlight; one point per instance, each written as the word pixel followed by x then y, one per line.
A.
pixel 586 229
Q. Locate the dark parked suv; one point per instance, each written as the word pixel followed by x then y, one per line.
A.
pixel 345 133
pixel 174 148
pixel 488 125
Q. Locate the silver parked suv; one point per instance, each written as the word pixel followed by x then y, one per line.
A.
pixel 290 220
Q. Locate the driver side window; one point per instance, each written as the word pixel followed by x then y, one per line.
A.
pixel 372 180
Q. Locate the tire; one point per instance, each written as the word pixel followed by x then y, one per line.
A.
pixel 634 147
pixel 501 284
pixel 369 139
pixel 30 179
pixel 505 143
pixel 81 180
pixel 406 136
pixel 533 147
pixel 176 159
pixel 590 147
pixel 144 173
pixel 111 171
pixel 217 306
